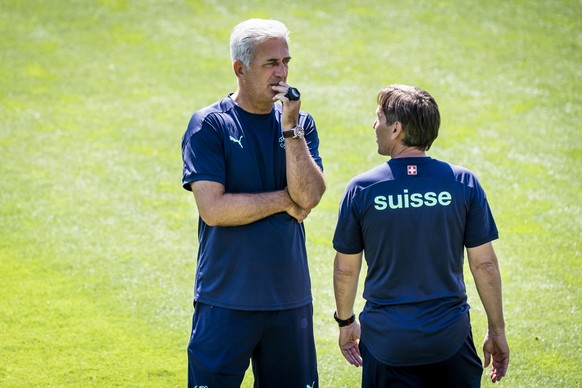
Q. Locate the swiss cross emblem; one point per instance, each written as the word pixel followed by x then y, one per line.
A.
pixel 411 170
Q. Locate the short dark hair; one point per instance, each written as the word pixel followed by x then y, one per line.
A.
pixel 415 109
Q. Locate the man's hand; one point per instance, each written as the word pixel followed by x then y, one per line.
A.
pixel 290 107
pixel 495 346
pixel 349 339
pixel 298 213
pixel 295 211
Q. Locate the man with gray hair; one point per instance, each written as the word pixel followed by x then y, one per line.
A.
pixel 254 167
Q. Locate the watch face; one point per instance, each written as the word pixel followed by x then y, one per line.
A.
pixel 299 132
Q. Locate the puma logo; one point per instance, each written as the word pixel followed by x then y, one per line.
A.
pixel 239 141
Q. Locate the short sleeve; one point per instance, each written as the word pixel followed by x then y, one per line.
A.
pixel 348 237
pixel 480 227
pixel 202 153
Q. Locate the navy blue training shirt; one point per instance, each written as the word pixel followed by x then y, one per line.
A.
pixel 413 217
pixel 262 265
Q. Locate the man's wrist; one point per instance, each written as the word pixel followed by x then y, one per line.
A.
pixel 287 127
pixel 344 322
pixel 296 132
pixel 496 325
pixel 496 330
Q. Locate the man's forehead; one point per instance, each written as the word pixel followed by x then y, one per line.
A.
pixel 273 49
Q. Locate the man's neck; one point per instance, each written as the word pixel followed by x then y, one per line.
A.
pixel 408 152
pixel 249 105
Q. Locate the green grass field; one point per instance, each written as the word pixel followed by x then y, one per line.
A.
pixel 98 239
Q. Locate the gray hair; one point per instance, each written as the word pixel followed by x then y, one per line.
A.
pixel 246 35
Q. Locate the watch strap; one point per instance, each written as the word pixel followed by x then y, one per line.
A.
pixel 289 133
pixel 344 322
pixel 295 132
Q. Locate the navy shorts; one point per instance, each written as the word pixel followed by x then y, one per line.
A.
pixel 461 370
pixel 280 345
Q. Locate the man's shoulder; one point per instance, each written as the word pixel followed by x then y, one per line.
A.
pixel 463 175
pixel 455 168
pixel 224 106
pixel 460 173
pixel 371 177
pixel 214 114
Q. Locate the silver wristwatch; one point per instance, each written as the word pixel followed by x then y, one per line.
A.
pixel 296 132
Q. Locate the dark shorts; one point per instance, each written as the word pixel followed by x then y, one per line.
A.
pixel 280 345
pixel 462 370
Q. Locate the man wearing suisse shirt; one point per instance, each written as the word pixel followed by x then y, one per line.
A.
pixel 413 216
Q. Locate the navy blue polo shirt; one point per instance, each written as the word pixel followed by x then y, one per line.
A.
pixel 262 265
pixel 413 217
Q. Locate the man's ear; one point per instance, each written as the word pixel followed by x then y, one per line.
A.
pixel 238 67
pixel 397 128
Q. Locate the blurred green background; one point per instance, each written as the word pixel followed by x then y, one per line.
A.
pixel 98 239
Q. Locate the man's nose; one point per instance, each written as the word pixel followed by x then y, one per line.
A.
pixel 281 70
